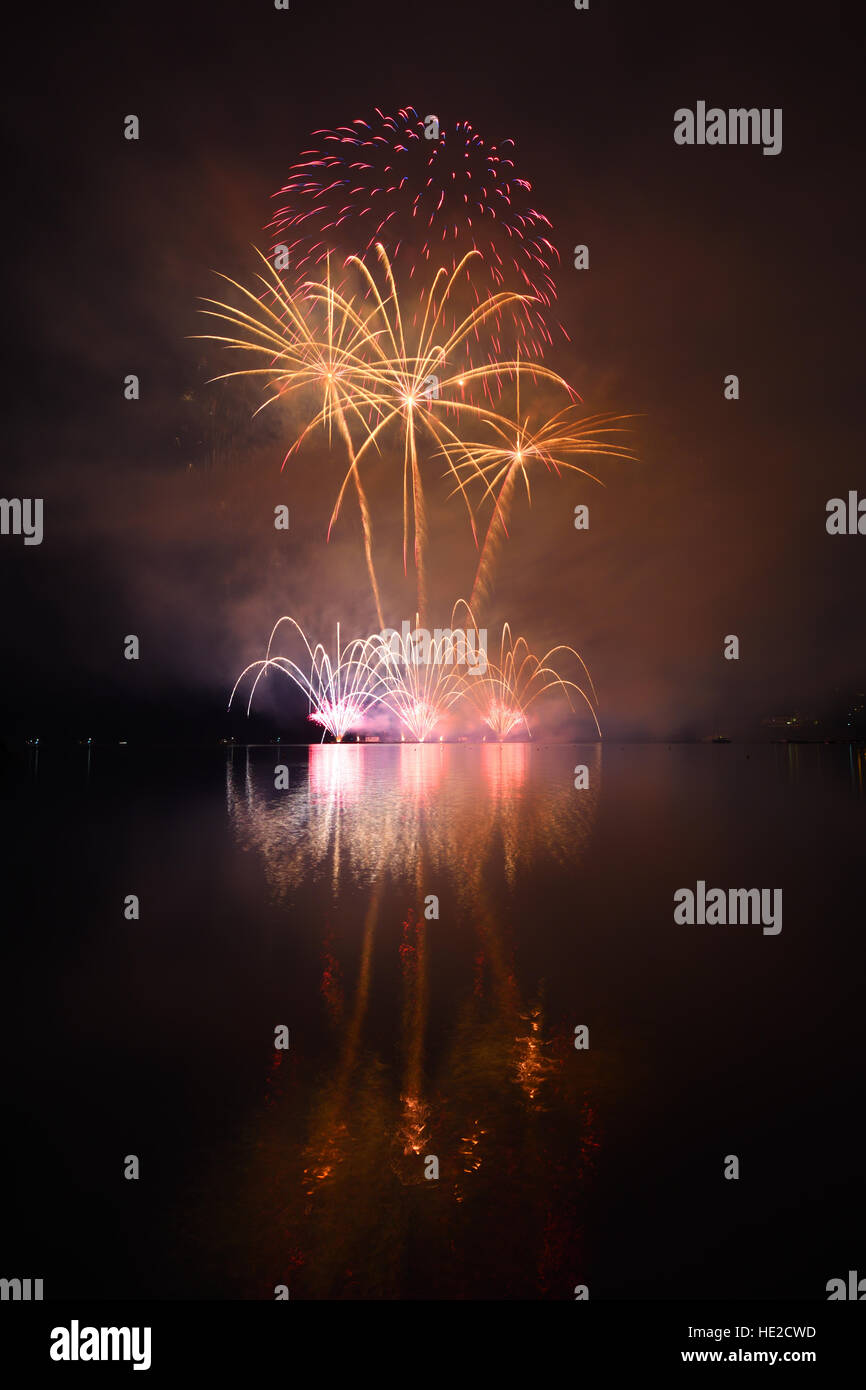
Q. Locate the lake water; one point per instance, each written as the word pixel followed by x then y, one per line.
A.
pixel 416 1037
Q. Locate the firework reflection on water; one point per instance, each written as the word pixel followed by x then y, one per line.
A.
pixel 374 806
pixel 474 1074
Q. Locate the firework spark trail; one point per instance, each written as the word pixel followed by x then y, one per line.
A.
pixel 516 447
pixel 374 372
pixel 339 693
pixel 298 356
pixel 420 683
pixel 511 685
pixel 398 385
pixel 370 374
pixel 366 522
pixel 502 465
pixel 399 381
pixel 423 199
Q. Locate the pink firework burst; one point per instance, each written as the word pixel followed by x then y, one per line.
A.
pixel 427 201
pixel 337 717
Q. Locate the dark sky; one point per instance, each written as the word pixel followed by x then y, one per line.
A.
pixel 703 262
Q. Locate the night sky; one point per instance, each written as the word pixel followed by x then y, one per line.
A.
pixel 703 262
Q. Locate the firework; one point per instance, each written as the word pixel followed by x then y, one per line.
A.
pixel 425 200
pixel 304 350
pixel 373 371
pixel 420 686
pixel 410 375
pixel 513 683
pixel 414 387
pixel 339 692
pixel 513 448
pixel 503 719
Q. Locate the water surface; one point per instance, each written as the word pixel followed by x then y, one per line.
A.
pixel 422 1031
